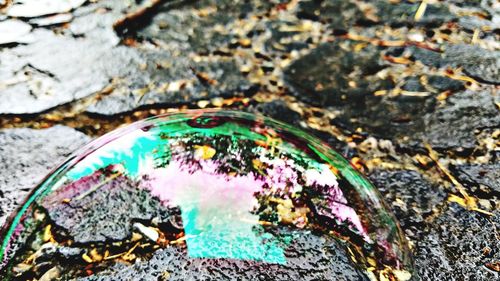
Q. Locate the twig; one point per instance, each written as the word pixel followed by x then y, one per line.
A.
pixel 469 202
pixel 421 10
pixel 95 187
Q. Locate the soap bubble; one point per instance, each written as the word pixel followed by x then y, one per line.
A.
pixel 205 195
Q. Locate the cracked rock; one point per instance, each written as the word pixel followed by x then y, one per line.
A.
pixel 46 74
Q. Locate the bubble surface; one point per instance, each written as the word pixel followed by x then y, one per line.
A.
pixel 206 195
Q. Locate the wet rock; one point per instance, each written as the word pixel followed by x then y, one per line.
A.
pixel 48 77
pixel 442 83
pixel 412 84
pixel 433 83
pixel 13 31
pixel 427 57
pixel 36 8
pixel 398 14
pixel 389 117
pixel 479 63
pixel 418 119
pixel 472 23
pixel 332 74
pixel 99 216
pixel 457 243
pixel 483 176
pixel 181 25
pixel 172 263
pixel 278 110
pixel 410 196
pixel 96 20
pixel 26 156
pixel 132 78
pixel 476 62
pixel 180 82
pixel 450 244
pixel 454 125
pixel 339 14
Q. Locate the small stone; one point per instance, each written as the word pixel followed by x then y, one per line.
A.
pixel 52 20
pixel 147 231
pixel 13 31
pixel 52 274
pixel 32 9
pixel 452 126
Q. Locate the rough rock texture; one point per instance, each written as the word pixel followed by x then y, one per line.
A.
pixel 454 125
pixel 478 63
pixel 172 264
pixel 26 157
pixel 96 217
pixel 486 177
pixel 395 86
pixel 47 77
pixel 451 242
pixel 322 77
pixel 471 244
pixel 418 196
pixel 337 13
pixel 278 110
pixel 398 14
pixel 177 84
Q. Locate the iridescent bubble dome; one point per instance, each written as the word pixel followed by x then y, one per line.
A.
pixel 205 195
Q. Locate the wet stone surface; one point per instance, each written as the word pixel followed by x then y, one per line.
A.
pixel 166 265
pixel 483 176
pixel 19 148
pixel 407 92
pixel 418 196
pixel 455 125
pixel 97 211
pixel 208 183
pixel 338 14
pixel 470 238
pixel 44 76
pixel 322 77
pixel 473 249
pixel 400 14
pixel 175 83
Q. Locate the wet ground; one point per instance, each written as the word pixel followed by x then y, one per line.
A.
pixel 406 90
